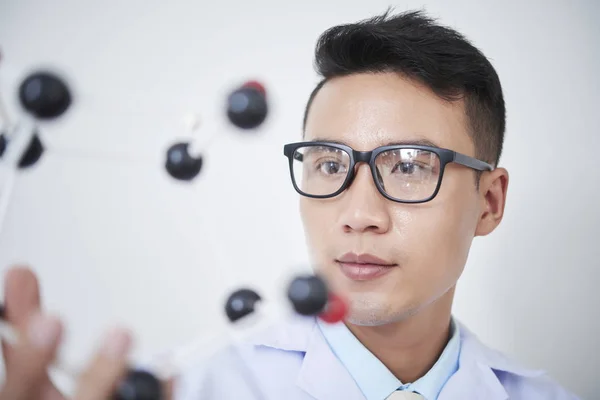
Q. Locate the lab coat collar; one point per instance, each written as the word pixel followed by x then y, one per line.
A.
pixel 321 375
pixel 474 351
pixel 476 376
pixel 324 377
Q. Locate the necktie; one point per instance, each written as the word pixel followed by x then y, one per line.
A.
pixel 404 395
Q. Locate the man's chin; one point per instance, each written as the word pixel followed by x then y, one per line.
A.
pixel 373 311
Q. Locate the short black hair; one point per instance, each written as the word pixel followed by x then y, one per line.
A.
pixel 418 48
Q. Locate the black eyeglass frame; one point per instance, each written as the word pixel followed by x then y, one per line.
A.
pixel 446 157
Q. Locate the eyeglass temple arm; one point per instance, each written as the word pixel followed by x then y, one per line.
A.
pixel 472 162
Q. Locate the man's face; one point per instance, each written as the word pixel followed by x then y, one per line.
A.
pixel 427 243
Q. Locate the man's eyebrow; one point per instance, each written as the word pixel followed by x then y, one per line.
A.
pixel 408 142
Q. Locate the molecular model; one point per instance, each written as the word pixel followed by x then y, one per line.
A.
pixel 45 96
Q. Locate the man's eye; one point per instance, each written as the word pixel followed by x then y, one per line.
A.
pixel 331 168
pixel 407 168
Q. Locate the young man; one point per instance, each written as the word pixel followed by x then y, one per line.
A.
pixel 397 173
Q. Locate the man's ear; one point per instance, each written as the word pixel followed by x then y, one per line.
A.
pixel 492 188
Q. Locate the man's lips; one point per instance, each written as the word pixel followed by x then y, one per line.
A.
pixel 362 267
pixel 353 258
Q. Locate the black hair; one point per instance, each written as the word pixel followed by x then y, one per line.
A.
pixel 415 46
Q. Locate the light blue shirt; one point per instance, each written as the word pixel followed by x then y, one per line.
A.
pixel 374 379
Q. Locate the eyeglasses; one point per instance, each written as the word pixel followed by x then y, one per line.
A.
pixel 403 173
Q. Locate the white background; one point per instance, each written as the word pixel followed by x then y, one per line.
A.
pixel 114 239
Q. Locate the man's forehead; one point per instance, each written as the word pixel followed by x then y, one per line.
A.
pixel 371 110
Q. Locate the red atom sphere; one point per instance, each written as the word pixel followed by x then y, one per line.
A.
pixel 256 85
pixel 335 311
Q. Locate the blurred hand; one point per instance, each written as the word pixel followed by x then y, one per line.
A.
pixel 27 364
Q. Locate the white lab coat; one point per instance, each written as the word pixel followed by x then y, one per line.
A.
pixel 292 361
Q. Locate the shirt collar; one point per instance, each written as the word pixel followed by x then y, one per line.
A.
pixel 432 383
pixel 374 379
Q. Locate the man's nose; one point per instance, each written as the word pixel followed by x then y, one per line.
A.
pixel 364 208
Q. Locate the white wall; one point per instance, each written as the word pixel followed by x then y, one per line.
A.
pixel 116 240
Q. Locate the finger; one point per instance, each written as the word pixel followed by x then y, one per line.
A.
pixel 100 379
pixel 21 301
pixel 21 296
pixel 168 389
pixel 26 371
